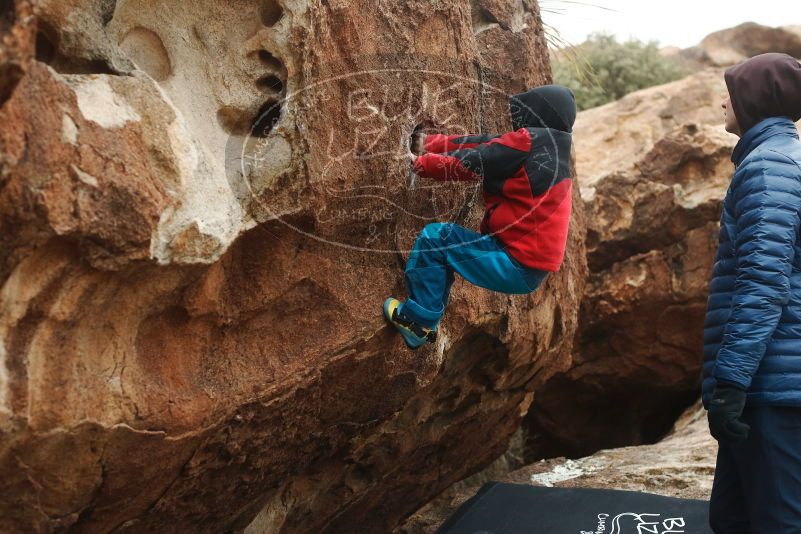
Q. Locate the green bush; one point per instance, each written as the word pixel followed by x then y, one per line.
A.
pixel 602 70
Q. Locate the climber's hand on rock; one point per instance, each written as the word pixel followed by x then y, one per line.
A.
pixel 725 414
pixel 418 142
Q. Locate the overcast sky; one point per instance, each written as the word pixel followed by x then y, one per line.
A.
pixel 680 23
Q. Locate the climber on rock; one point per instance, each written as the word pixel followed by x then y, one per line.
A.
pixel 526 184
pixel 752 332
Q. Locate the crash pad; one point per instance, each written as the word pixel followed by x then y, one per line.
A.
pixel 500 508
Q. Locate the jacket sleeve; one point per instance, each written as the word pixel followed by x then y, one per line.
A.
pixel 439 143
pixel 767 224
pixel 497 159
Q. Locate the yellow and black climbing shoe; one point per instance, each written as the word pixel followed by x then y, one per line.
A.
pixel 413 334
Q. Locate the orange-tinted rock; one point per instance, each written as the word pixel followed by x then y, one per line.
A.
pixel 193 344
pixel 102 184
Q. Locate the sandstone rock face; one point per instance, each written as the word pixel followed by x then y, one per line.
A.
pixel 16 46
pixel 202 207
pixel 733 45
pixel 618 135
pixel 682 465
pixel 68 140
pixel 654 168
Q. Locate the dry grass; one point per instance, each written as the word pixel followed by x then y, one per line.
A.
pixel 562 49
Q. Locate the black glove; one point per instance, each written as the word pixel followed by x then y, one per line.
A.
pixel 725 411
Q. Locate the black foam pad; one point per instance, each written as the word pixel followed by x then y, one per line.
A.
pixel 521 509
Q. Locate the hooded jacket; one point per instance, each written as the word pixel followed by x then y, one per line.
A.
pixel 752 331
pixel 525 174
pixel 768 85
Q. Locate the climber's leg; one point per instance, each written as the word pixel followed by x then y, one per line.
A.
pixel 428 277
pixel 442 249
pixel 413 334
pixel 431 280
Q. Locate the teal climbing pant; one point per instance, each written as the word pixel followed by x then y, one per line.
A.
pixel 444 249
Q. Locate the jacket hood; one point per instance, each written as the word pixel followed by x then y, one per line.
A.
pixel 768 85
pixel 549 106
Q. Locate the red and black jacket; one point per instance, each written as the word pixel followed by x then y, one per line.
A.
pixel 526 185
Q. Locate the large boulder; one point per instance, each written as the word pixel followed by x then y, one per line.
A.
pixel 618 135
pixel 202 207
pixel 733 45
pixel 654 168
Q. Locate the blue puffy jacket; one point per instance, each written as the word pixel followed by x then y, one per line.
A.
pixel 752 333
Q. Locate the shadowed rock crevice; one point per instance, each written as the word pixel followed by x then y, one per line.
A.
pixel 7 14
pixel 45 49
pixel 18 31
pixel 266 118
pixel 577 419
pixel 271 83
pixel 482 18
pixel 271 12
pixel 259 124
pixel 48 50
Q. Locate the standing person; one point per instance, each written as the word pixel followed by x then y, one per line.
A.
pixel 526 184
pixel 752 333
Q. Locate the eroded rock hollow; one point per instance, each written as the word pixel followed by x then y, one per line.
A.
pixel 202 206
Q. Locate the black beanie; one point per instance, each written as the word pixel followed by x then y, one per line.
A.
pixel 549 106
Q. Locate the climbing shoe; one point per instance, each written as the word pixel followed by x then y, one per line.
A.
pixel 413 334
